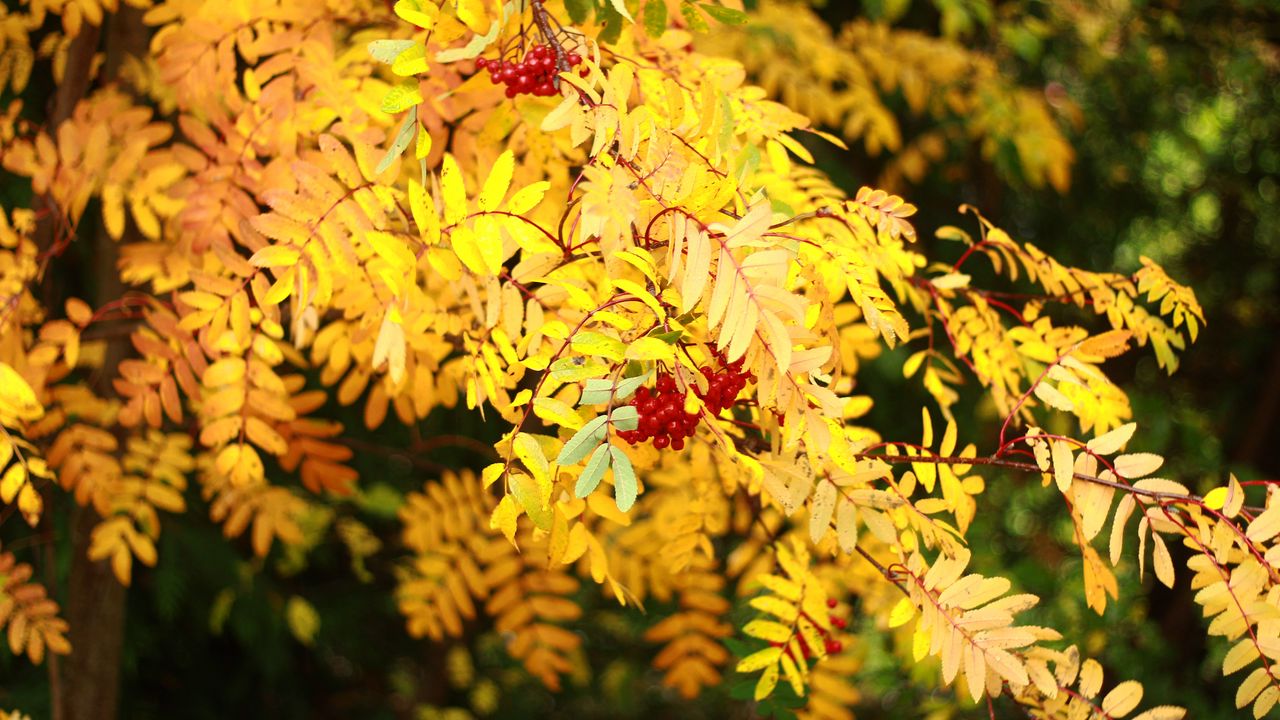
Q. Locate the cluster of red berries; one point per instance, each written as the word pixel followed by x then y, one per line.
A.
pixel 830 644
pixel 533 75
pixel 662 417
pixel 723 387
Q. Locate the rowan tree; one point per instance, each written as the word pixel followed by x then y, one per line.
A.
pixel 599 227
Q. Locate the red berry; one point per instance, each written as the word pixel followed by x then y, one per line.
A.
pixel 574 58
pixel 834 647
pixel 482 63
pixel 661 441
pixel 832 602
pixel 677 444
pixel 838 623
pixel 584 72
pixel 511 92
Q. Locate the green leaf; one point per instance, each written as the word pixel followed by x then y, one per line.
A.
pixel 583 441
pixel 612 25
pixel 599 391
pixel 694 19
pixel 386 51
pixel 575 369
pixel 655 18
pixel 626 417
pixel 578 10
pixel 671 338
pixel 381 500
pixel 599 344
pixel 748 162
pixel 401 97
pixel 726 127
pixel 624 479
pixel 621 7
pixel 591 476
pixel 473 48
pixel 728 16
pixel 398 147
pixel 529 495
pixel 303 619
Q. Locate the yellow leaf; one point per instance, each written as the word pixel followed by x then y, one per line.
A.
pixel 557 412
pixel 275 256
pixel 265 436
pixel 390 348
pixel 651 348
pixel 423 147
pixel 1235 497
pixel 1239 656
pixel 767 682
pixel 1163 712
pixel 1063 464
pixel 1216 498
pixel 768 630
pixel 14 479
pixel 1113 441
pixel 1265 526
pixel 1162 561
pixel 30 504
pixel 781 586
pixel 1052 397
pixel 920 642
pixel 1137 465
pixel 951 281
pixel 224 372
pixel 528 197
pixel 467 247
pixel 1122 699
pixel 759 659
pixel 17 400
pixel 504 517
pixel 821 509
pixel 495 187
pixel 79 312
pixel 453 190
pixel 792 672
pixel 392 249
pixel 416 12
pixel 113 209
pixel 424 212
pixel 1107 345
pixel 902 613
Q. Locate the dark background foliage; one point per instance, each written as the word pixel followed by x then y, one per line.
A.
pixel 1177 141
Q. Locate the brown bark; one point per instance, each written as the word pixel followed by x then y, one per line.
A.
pixel 63 103
pixel 89 686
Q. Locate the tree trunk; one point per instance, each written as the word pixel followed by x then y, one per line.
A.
pixel 89 688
